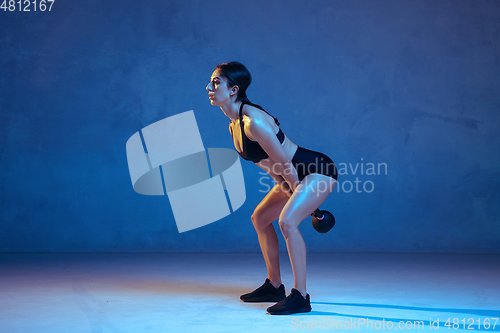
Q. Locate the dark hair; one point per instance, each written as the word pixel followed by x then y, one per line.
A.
pixel 236 74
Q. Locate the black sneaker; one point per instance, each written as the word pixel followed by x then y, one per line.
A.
pixel 265 293
pixel 293 303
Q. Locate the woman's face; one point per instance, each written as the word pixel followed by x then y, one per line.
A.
pixel 218 90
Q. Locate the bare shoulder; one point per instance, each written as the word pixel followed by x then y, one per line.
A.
pixel 254 114
pixel 257 122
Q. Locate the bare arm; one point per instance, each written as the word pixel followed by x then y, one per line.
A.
pixel 282 183
pixel 263 133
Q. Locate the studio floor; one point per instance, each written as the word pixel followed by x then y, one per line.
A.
pixel 199 292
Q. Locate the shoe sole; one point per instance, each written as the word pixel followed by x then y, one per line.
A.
pixel 263 299
pixel 301 310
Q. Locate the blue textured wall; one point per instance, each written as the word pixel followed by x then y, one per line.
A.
pixel 412 84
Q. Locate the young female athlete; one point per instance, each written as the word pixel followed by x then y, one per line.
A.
pixel 304 179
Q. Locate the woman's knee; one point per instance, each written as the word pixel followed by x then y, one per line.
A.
pixel 259 221
pixel 287 227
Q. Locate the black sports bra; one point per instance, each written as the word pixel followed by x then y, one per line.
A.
pixel 251 150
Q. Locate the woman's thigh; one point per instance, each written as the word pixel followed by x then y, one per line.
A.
pixel 269 209
pixel 306 198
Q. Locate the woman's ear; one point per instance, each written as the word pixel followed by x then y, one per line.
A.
pixel 234 90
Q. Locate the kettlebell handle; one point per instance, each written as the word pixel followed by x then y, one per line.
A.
pixel 318 214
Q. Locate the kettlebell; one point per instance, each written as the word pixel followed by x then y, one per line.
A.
pixel 322 220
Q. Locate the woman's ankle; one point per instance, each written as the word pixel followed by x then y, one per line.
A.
pixel 276 284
